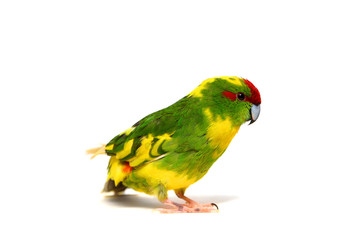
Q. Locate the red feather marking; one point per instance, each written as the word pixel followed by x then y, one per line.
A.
pixel 255 94
pixel 127 168
pixel 230 95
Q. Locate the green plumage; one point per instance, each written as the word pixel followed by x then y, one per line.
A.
pixel 174 147
pixel 187 125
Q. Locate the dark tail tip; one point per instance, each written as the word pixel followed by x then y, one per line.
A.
pixel 111 187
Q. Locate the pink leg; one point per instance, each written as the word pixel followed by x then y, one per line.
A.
pixel 192 203
pixel 191 207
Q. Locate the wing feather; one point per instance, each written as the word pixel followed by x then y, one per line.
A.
pixel 144 141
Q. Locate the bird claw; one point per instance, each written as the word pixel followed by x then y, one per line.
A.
pixel 187 208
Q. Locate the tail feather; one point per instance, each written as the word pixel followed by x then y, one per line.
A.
pixel 96 151
pixel 111 187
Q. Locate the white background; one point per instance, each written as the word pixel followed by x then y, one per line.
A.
pixel 76 73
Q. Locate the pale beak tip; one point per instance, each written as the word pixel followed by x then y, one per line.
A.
pixel 255 112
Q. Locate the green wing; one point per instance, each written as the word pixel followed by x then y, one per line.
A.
pixel 180 128
pixel 144 141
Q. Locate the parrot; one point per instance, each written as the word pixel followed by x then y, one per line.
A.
pixel 175 147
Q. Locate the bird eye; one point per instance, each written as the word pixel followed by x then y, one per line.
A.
pixel 240 96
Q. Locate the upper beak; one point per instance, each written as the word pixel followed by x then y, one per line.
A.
pixel 255 112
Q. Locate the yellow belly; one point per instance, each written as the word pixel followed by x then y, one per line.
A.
pixel 220 132
pixel 170 179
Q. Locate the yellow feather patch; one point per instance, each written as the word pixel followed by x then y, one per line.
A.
pixel 220 131
pixel 126 151
pixel 198 91
pixel 115 171
pixel 128 131
pixel 109 147
pixel 170 179
pixel 234 80
pixel 142 153
pixel 155 148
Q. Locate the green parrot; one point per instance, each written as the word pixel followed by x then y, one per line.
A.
pixel 173 148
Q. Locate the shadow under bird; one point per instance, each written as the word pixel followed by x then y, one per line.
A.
pixel 173 148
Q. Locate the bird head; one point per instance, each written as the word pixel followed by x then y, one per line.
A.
pixel 232 97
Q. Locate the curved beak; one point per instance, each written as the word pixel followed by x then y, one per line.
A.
pixel 255 112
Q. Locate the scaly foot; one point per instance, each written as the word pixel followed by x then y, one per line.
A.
pixel 188 208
